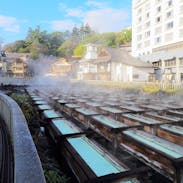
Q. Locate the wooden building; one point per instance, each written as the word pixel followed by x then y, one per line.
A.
pixel 168 65
pixel 19 68
pixel 112 64
pixel 61 67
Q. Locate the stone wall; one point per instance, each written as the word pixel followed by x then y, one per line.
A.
pixel 27 165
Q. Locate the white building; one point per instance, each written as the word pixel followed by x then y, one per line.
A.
pixel 113 64
pixel 157 25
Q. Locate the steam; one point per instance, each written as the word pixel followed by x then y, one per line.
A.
pixel 58 86
pixel 68 88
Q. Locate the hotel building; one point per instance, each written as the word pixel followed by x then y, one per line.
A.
pixel 157 36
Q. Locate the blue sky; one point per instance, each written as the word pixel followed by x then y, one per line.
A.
pixel 16 16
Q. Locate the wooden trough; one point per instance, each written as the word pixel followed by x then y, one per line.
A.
pixel 91 164
pixel 83 115
pixel 69 108
pixel 160 154
pixel 108 127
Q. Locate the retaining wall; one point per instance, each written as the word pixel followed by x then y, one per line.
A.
pixel 27 165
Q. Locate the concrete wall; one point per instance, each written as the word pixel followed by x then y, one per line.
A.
pixel 27 165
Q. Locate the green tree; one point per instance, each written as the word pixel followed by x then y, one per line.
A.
pixel 37 34
pixel 16 46
pixel 123 37
pixel 91 38
pixel 55 40
pixel 79 50
pixel 107 39
pixel 75 35
pixel 66 49
pixel 36 49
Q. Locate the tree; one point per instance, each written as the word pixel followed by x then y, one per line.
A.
pixel 55 40
pixel 66 49
pixel 37 34
pixel 75 35
pixel 79 50
pixel 36 49
pixel 91 38
pixel 16 46
pixel 87 29
pixel 107 39
pixel 123 37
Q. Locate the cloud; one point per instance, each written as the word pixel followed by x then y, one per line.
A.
pixel 9 24
pixel 95 4
pixel 107 19
pixel 99 15
pixel 75 12
pixel 62 25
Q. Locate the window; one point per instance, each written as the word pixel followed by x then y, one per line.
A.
pixel 140 19
pixel 181 61
pixel 168 37
pixel 169 25
pixel 135 76
pixel 170 3
pixel 181 9
pixel 139 11
pixel 158 30
pixel 139 28
pixel 181 33
pixel 169 14
pixel 139 45
pixel 139 37
pixel 158 40
pixel 181 21
pixel 147 34
pixel 158 9
pixel 181 76
pixel 171 62
pixel 147 24
pixel 158 19
pixel 147 6
pixel 157 64
pixel 147 43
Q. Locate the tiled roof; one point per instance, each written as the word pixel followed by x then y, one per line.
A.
pixel 120 55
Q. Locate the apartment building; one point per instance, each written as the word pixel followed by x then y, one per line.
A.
pixel 156 25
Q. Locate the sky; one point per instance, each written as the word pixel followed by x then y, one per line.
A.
pixel 17 16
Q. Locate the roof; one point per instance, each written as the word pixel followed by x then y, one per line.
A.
pixel 120 55
pixel 61 61
pixel 162 55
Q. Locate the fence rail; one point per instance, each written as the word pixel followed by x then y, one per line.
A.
pixel 114 84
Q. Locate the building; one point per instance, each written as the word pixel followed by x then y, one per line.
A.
pixel 18 68
pixel 126 68
pixel 157 37
pixel 112 64
pixel 94 65
pixel 61 67
pixel 157 25
pixel 168 65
